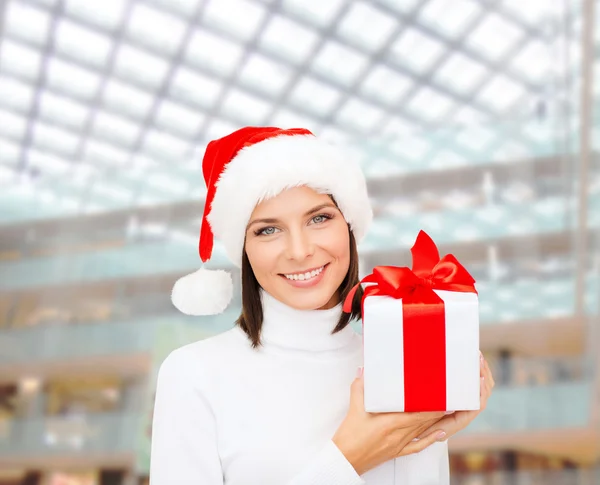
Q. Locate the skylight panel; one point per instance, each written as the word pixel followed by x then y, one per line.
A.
pixel 315 96
pixel 288 118
pixel 209 51
pixel 430 105
pixel 178 117
pixel 475 137
pixel 183 7
pixel 416 50
pixel 15 94
pixel 188 86
pixel 288 39
pixel 460 72
pixel 243 106
pixel 111 190
pixel 339 62
pixel 7 174
pixel 46 3
pixel 28 23
pixel 80 175
pixel 139 66
pixel 156 29
pixel 219 128
pixel 411 147
pixel 359 115
pixel 62 110
pixel 404 6
pixel 386 85
pixel 399 127
pixel 467 115
pixel 165 146
pixel 9 151
pixel 533 12
pixel 534 60
pixel 501 93
pixel 104 153
pixel 13 125
pixel 47 136
pixel 112 127
pixel 494 37
pixel 106 14
pixel 46 163
pixel 265 75
pixel 17 59
pixel 167 182
pixel 82 44
pixel 318 13
pixel 450 18
pixel 243 24
pixel 124 98
pixel 366 26
pixel 334 134
pixel 70 79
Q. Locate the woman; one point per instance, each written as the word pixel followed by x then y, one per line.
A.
pixel 277 399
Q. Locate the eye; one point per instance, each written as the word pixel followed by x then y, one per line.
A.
pixel 321 218
pixel 266 231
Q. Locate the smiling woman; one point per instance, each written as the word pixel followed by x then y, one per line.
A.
pixel 276 400
pixel 299 249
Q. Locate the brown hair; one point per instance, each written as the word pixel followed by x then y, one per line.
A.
pixel 251 318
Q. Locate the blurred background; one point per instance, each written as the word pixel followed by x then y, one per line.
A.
pixel 476 120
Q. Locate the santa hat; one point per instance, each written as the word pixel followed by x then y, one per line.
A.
pixel 251 165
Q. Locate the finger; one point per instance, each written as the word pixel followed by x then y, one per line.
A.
pixel 357 391
pixel 418 445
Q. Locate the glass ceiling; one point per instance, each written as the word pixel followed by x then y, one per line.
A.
pixel 110 106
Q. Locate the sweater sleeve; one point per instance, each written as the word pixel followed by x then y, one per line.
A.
pixel 184 437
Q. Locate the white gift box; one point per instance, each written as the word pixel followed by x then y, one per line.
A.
pixel 383 339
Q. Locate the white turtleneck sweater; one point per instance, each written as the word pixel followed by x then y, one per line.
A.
pixel 227 414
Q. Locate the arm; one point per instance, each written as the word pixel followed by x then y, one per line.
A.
pixel 184 438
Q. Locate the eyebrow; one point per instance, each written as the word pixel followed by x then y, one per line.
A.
pixel 306 214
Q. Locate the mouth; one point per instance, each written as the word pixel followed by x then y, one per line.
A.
pixel 308 275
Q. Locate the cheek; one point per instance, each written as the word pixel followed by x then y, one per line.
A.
pixel 338 244
pixel 258 257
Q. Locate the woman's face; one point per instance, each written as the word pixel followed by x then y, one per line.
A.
pixel 298 245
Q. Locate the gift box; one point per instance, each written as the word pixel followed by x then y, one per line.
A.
pixel 420 335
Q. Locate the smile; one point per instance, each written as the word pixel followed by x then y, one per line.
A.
pixel 306 276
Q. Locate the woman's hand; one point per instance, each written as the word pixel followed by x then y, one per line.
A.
pixel 368 440
pixel 453 423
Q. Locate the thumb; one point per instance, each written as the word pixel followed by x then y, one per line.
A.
pixel 357 391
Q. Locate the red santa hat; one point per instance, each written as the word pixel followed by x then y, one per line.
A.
pixel 251 165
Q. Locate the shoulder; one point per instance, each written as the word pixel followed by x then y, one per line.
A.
pixel 201 359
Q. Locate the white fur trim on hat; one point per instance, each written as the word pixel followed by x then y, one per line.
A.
pixel 204 292
pixel 265 169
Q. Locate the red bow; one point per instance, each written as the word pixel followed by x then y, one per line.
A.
pixel 428 272
pixel 423 317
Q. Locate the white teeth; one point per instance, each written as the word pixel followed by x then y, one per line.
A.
pixel 304 276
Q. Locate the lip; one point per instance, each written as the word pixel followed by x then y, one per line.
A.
pixel 307 283
pixel 306 270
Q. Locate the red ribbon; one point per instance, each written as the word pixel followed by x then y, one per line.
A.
pixel 424 324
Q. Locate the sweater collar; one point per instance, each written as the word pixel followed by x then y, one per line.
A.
pixel 310 330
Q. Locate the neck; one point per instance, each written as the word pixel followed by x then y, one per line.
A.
pixel 310 330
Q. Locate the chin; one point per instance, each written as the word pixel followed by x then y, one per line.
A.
pixel 307 299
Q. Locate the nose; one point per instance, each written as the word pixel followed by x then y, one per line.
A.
pixel 299 245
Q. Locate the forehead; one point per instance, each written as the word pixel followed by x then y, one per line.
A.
pixel 290 201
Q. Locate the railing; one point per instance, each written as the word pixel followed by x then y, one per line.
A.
pixel 171 256
pixel 590 476
pixel 77 434
pixel 556 406
pixel 60 342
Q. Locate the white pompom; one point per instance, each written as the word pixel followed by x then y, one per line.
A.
pixel 204 292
